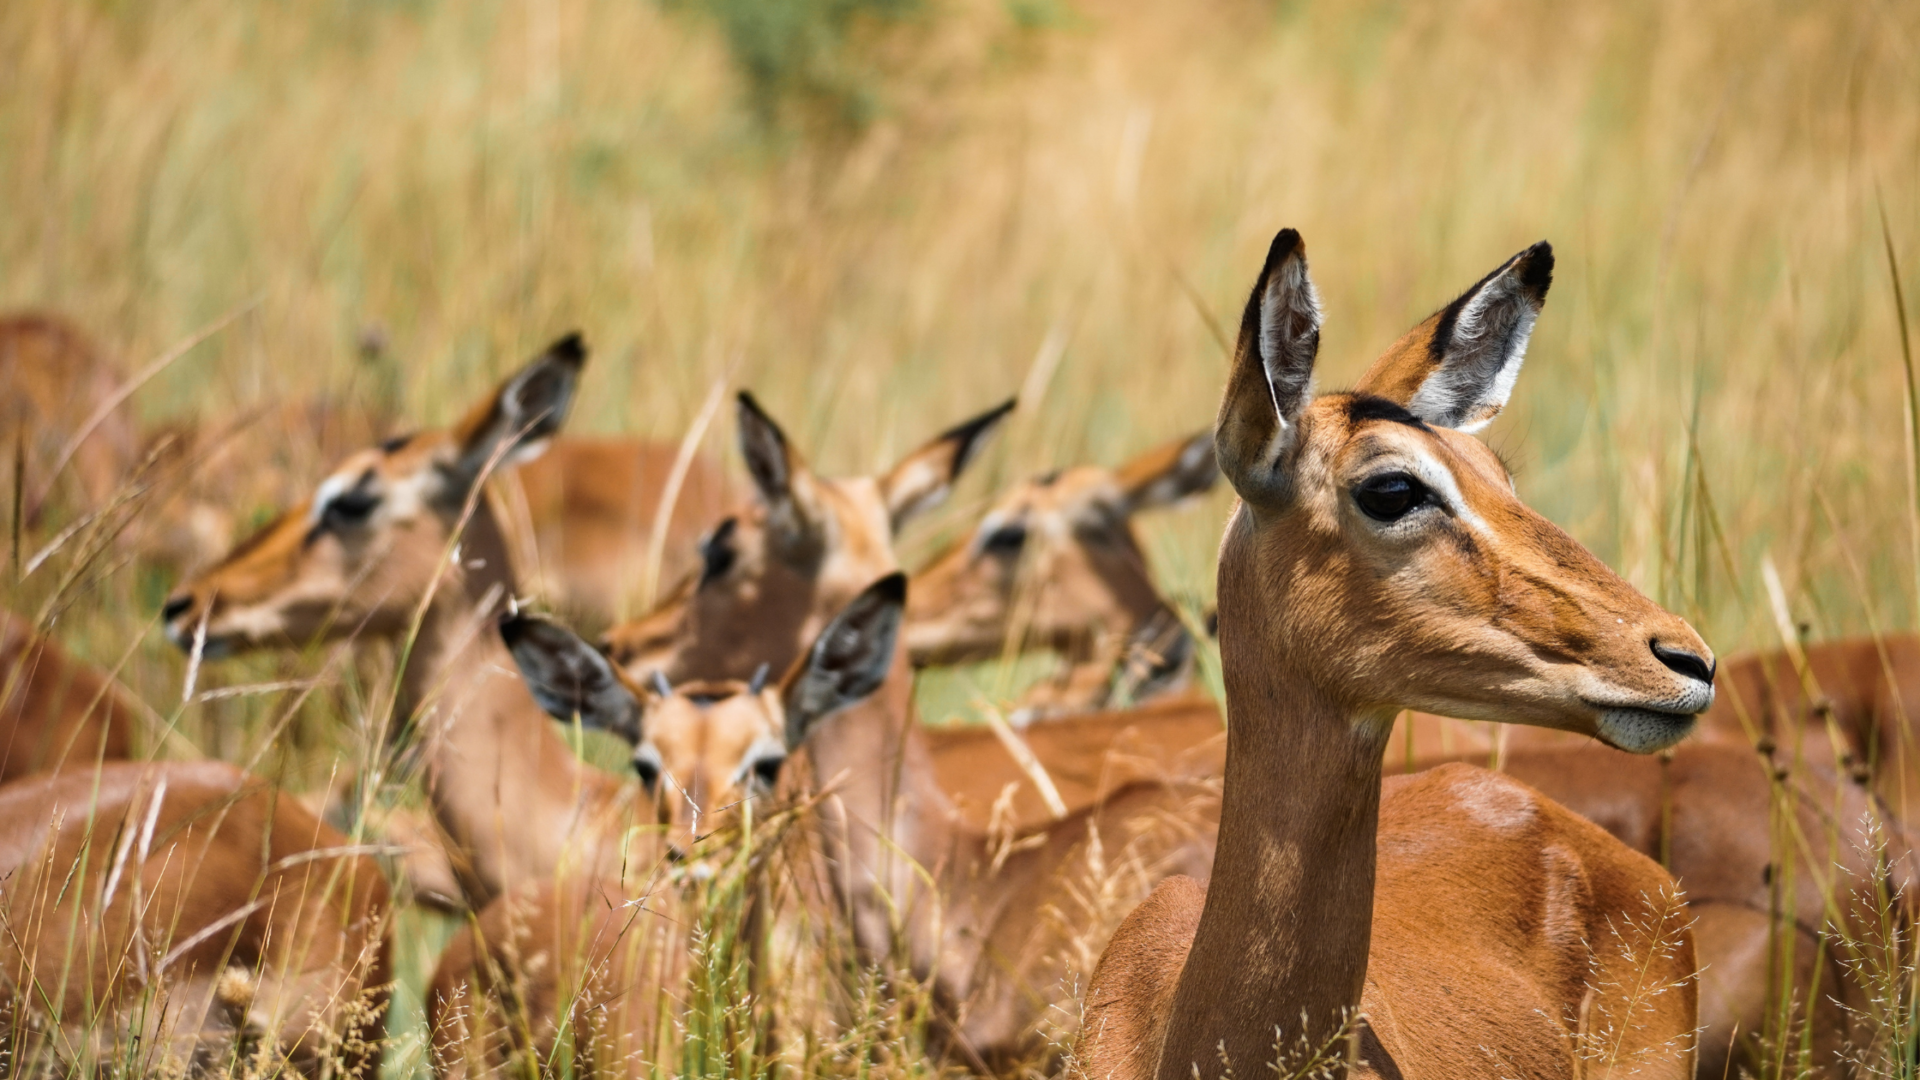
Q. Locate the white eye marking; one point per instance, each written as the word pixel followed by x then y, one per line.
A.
pixel 330 489
pixel 1445 490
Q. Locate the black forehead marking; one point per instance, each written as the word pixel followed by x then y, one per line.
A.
pixel 1364 407
pixel 1047 479
pixel 397 443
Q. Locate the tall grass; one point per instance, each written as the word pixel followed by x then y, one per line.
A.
pixel 1065 197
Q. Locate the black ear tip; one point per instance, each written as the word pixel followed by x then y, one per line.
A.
pixel 1285 243
pixel 514 627
pixel 1004 408
pixel 1536 273
pixel 892 588
pixel 571 349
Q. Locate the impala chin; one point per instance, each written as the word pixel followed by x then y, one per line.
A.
pixel 1643 731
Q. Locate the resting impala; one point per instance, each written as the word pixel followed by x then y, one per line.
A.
pixel 1055 564
pixel 54 709
pixel 54 379
pixel 798 553
pixel 369 554
pixel 1462 924
pixel 163 915
pixel 604 958
pixel 580 517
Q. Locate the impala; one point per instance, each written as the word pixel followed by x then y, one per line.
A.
pixel 804 547
pixel 603 958
pixel 373 553
pixel 58 386
pixel 580 517
pixel 159 915
pixel 1460 924
pixel 1771 865
pixel 54 709
pixel 590 507
pixel 1055 564
pixel 1868 687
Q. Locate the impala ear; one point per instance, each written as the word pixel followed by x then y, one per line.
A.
pixel 848 661
pixel 524 414
pixel 1456 369
pixel 764 446
pixel 923 479
pixel 1167 474
pixel 570 678
pixel 1272 379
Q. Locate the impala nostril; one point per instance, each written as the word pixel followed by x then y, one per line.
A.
pixel 175 608
pixel 1685 663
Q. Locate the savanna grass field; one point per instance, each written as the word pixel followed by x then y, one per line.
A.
pixel 885 216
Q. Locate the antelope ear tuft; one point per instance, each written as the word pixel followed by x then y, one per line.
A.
pixel 1272 379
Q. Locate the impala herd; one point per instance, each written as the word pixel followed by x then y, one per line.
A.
pixel 1320 874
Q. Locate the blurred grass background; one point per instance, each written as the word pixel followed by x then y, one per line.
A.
pixel 885 215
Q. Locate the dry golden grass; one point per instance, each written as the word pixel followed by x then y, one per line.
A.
pixel 1054 196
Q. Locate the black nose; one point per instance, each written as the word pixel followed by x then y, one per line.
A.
pixel 676 854
pixel 175 608
pixel 1682 662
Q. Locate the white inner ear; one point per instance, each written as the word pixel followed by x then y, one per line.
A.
pixel 915 487
pixel 1476 376
pixel 525 452
pixel 1289 326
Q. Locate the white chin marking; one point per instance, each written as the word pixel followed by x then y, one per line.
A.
pixel 1643 731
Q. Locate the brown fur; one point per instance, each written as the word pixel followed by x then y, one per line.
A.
pixel 1055 564
pixel 1481 929
pixel 799 552
pixel 230 875
pixel 514 801
pixel 1870 687
pixel 54 709
pixel 596 951
pixel 590 508
pixel 53 377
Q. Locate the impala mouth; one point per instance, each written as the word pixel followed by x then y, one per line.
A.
pixel 1641 730
pixel 215 647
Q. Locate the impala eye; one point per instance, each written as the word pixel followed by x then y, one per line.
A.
pixel 352 507
pixel 647 765
pixel 1007 540
pixel 1390 496
pixel 766 770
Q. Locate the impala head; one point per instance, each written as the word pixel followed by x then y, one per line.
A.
pixel 703 749
pixel 360 554
pixel 1055 563
pixel 700 749
pixel 1381 554
pixel 770 576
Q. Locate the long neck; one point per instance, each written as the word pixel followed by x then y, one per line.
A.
pixel 515 800
pixel 1288 916
pixel 888 817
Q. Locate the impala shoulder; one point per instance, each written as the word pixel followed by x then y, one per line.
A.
pixel 1131 992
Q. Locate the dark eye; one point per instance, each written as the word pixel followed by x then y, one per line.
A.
pixel 352 507
pixel 646 765
pixel 766 770
pixel 1008 539
pixel 1391 496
